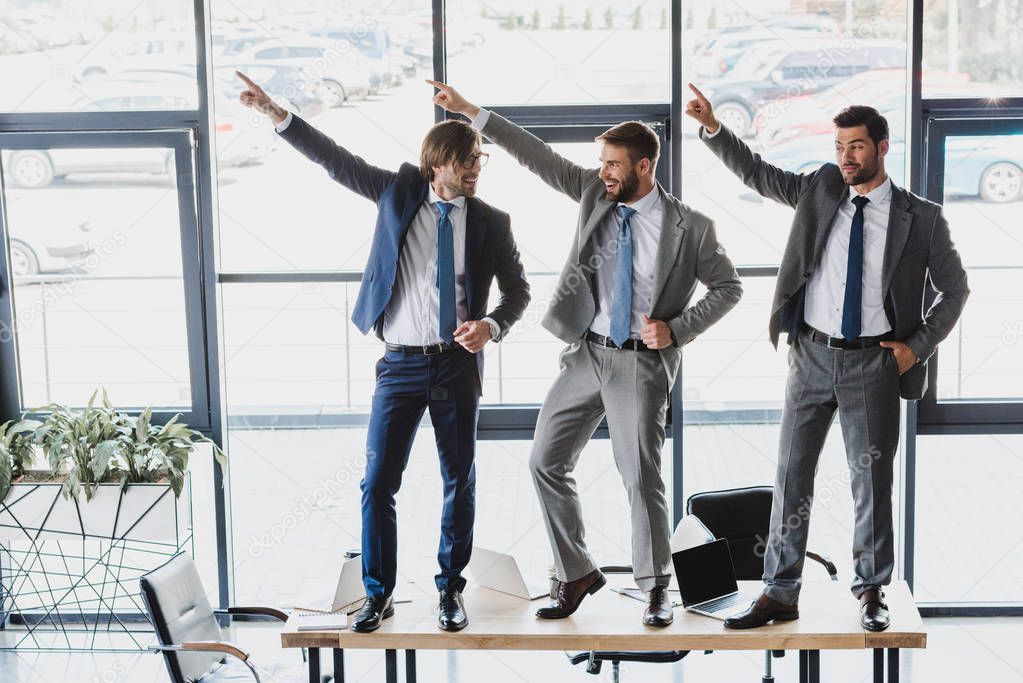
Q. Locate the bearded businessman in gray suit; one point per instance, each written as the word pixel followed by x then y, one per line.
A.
pixel 851 295
pixel 622 306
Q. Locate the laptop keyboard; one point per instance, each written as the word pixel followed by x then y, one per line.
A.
pixel 722 603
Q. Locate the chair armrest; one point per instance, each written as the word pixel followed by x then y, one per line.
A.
pixel 828 564
pixel 277 614
pixel 204 646
pixel 211 646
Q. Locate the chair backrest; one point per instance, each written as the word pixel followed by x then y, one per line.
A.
pixel 743 517
pixel 180 612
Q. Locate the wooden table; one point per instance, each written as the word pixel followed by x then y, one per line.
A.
pixel 829 620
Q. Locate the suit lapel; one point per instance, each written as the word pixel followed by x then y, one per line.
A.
pixel 899 221
pixel 599 213
pixel 668 244
pixel 841 190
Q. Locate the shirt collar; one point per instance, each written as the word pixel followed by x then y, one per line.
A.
pixel 644 204
pixel 878 194
pixel 457 201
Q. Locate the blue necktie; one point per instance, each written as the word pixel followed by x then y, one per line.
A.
pixel 621 299
pixel 852 308
pixel 446 272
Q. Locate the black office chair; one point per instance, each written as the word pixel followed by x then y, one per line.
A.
pixel 189 633
pixel 742 517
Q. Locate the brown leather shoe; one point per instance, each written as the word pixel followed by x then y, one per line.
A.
pixel 762 611
pixel 658 609
pixel 873 611
pixel 570 593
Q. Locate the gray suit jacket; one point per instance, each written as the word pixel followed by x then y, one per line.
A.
pixel 688 251
pixel 918 252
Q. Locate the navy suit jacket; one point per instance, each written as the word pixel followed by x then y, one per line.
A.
pixel 490 249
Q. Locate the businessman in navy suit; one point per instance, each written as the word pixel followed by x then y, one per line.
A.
pixel 436 250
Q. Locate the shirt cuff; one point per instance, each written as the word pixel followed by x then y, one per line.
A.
pixel 480 121
pixel 704 135
pixel 283 124
pixel 495 329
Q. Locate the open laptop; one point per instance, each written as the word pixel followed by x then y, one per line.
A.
pixel 500 572
pixel 706 580
pixel 349 592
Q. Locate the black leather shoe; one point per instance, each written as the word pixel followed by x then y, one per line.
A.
pixel 658 610
pixel 569 594
pixel 873 611
pixel 763 611
pixel 451 611
pixel 372 613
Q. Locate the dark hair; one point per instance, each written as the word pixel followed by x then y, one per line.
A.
pixel 639 140
pixel 862 115
pixel 447 141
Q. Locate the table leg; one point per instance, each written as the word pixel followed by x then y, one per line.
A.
pixel 339 665
pixel 878 665
pixel 814 662
pixel 391 664
pixel 804 668
pixel 410 666
pixel 893 665
pixel 314 665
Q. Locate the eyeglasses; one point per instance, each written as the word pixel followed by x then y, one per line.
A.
pixel 482 157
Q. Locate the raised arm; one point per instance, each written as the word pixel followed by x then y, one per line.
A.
pixel 768 180
pixel 350 170
pixel 529 150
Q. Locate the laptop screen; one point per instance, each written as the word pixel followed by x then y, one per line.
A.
pixel 705 572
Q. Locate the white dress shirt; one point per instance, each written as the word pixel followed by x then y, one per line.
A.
pixel 825 291
pixel 412 316
pixel 646 235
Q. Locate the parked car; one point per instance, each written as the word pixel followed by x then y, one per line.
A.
pixel 238 141
pixel 774 70
pixel 136 51
pixel 988 166
pixel 883 89
pixel 345 74
pixel 48 248
pixel 717 56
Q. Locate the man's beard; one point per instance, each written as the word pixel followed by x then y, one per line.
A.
pixel 863 175
pixel 627 188
pixel 458 188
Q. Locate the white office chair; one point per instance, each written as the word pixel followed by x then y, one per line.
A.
pixel 189 634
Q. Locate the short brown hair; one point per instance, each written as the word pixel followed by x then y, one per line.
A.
pixel 639 140
pixel 862 115
pixel 447 141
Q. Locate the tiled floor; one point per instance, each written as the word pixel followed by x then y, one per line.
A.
pixel 975 650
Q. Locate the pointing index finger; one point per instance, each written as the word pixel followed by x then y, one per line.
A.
pixel 697 92
pixel 246 79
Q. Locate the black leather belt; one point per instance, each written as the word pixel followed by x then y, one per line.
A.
pixel 630 345
pixel 429 350
pixel 843 343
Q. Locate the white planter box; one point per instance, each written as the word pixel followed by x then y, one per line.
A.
pixel 142 512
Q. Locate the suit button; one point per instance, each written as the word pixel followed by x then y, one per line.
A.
pixel 785 296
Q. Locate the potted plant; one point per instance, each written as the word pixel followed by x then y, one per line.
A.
pixel 124 464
